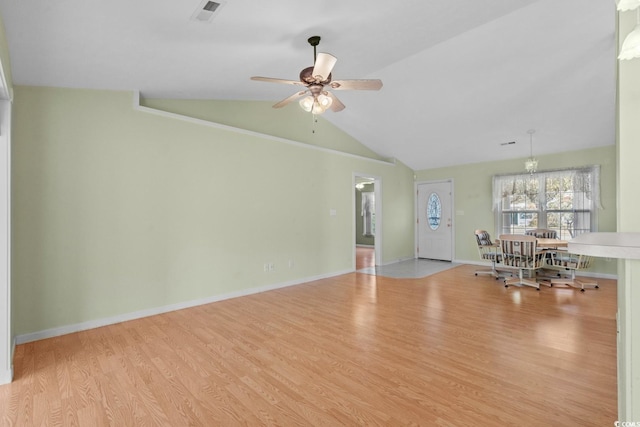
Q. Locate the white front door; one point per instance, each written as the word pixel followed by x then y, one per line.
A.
pixel 435 227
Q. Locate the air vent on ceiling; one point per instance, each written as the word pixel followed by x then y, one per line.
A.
pixel 206 10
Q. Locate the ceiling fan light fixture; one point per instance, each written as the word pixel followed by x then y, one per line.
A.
pixel 317 108
pixel 315 79
pixel 325 101
pixel 306 103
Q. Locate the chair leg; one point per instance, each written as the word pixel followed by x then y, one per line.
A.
pixel 575 283
pixel 521 280
pixel 494 272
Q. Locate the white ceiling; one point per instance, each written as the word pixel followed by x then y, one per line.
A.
pixel 460 76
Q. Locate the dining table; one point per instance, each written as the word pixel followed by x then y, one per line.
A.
pixel 551 243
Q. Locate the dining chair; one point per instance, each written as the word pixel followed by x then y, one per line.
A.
pixel 572 263
pixel 488 251
pixel 542 233
pixel 521 252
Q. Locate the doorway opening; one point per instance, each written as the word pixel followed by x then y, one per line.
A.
pixel 367 214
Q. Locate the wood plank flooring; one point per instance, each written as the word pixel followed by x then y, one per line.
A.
pixel 452 349
pixel 365 257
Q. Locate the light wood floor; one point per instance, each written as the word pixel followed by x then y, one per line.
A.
pixel 451 349
pixel 365 257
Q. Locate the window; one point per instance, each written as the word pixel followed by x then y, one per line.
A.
pixel 562 200
pixel 434 211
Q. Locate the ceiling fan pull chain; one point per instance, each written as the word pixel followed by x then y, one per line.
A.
pixel 314 120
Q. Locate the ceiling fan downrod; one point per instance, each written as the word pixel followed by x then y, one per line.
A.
pixel 314 41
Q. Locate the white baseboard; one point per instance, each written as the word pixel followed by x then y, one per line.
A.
pixel 97 323
pixel 6 376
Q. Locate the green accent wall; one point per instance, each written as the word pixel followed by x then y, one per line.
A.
pixel 473 195
pixel 290 122
pixel 116 210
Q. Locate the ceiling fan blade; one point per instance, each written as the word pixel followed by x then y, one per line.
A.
pixel 336 104
pixel 323 66
pixel 356 84
pixel 272 80
pixel 289 99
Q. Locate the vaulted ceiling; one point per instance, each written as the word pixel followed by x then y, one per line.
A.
pixel 460 76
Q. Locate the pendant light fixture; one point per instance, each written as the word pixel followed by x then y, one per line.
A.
pixel 631 46
pixel 624 5
pixel 531 164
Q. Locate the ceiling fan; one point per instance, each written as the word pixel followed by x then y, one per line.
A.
pixel 317 80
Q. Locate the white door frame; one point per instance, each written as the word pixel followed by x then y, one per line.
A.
pixel 6 342
pixel 377 191
pixel 417 215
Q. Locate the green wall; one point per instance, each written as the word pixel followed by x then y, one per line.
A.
pixel 116 210
pixel 473 195
pixel 290 122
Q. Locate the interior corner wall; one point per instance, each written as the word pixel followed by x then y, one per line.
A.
pixel 473 195
pixel 116 210
pixel 628 153
pixel 6 326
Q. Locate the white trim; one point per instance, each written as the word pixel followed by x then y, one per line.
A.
pixel 627 392
pixel 149 110
pixel 97 323
pixel 4 87
pixel 6 360
pixel 6 376
pixel 365 246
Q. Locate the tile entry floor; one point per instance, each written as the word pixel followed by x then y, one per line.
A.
pixel 409 269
